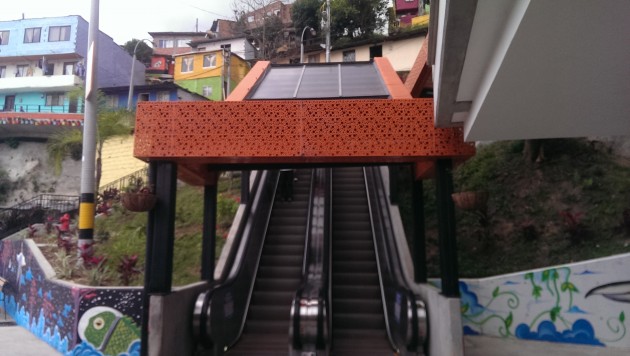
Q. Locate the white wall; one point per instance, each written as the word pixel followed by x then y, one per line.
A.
pixel 584 303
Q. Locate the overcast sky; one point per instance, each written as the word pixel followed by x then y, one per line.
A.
pixel 127 19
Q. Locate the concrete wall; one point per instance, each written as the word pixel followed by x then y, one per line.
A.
pixel 583 303
pixel 31 171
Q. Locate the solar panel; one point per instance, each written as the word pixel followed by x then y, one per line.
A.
pixel 320 81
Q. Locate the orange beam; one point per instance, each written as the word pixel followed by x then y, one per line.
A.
pixel 247 84
pixel 196 134
pixel 420 74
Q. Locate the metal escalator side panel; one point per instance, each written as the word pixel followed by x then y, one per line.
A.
pixel 229 300
pixel 405 311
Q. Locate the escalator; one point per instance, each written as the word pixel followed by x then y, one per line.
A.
pixel 279 274
pixel 316 276
pixel 358 322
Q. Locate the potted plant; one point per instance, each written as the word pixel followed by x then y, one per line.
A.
pixel 138 197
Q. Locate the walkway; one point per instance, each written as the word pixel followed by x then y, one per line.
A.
pixel 492 346
pixel 17 341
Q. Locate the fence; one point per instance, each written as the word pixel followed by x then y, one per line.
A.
pixel 137 178
pixel 36 210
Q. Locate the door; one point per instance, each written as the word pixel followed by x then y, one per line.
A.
pixel 72 105
pixel 9 103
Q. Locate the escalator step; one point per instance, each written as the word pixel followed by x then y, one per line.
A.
pixel 353 279
pixel 279 272
pixel 270 312
pixel 271 298
pixel 284 249
pixel 352 245
pixel 287 285
pixel 361 342
pixel 354 292
pixel 268 327
pixel 368 306
pixel 281 260
pixel 354 267
pixel 363 256
pixel 357 321
pixel 280 229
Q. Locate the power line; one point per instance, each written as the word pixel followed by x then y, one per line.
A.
pixel 210 12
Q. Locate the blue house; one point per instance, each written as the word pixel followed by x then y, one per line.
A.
pixel 42 60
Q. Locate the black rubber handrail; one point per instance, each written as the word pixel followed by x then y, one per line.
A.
pixel 405 313
pixel 220 312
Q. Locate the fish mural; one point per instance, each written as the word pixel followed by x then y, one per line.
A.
pixel 108 330
pixel 617 291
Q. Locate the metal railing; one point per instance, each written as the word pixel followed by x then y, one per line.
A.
pixel 137 178
pixel 55 109
pixel 36 210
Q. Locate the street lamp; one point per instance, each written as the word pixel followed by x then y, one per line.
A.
pixel 133 65
pixel 313 33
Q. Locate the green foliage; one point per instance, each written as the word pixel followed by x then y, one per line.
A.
pixel 127 237
pixel 143 51
pixel 306 13
pixel 574 176
pixel 357 18
pixel 64 266
pixel 62 144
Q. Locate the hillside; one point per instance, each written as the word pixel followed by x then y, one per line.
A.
pixel 572 205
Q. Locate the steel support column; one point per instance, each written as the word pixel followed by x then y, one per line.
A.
pixel 446 227
pixel 419 236
pixel 208 243
pixel 163 221
pixel 146 297
pixel 393 184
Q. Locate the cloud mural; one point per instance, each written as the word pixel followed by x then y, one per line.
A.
pixel 581 332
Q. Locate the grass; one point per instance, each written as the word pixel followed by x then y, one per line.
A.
pixel 123 232
pixel 527 208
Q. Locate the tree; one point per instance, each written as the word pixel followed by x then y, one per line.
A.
pixel 263 27
pixel 306 13
pixel 357 18
pixel 109 123
pixel 143 53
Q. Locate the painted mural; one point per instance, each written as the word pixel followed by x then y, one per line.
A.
pixel 584 303
pixel 74 319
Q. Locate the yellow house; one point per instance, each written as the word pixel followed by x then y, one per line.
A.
pixel 204 72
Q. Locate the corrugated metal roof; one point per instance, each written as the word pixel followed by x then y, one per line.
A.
pixel 320 81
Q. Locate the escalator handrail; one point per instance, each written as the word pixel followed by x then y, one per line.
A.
pixel 228 299
pixel 309 307
pixel 397 295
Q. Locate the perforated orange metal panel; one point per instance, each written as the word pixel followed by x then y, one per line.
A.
pixel 295 131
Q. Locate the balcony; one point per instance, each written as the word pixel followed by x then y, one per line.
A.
pixel 37 125
pixel 40 83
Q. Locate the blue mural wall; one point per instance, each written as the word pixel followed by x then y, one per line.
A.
pixel 583 303
pixel 74 319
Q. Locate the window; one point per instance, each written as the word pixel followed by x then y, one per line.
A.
pixel 54 99
pixel 68 68
pixel 226 46
pixel 21 70
pixel 182 43
pixel 348 56
pixel 143 97
pixel 187 64
pixel 58 33
pixel 250 18
pixel 376 51
pixel 210 60
pixel 3 72
pixel 165 43
pixel 32 35
pixel 207 91
pixel 50 69
pixel 4 37
pixel 163 96
pixel 111 101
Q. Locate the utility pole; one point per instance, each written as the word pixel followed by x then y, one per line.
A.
pixel 327 31
pixel 87 199
pixel 228 62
